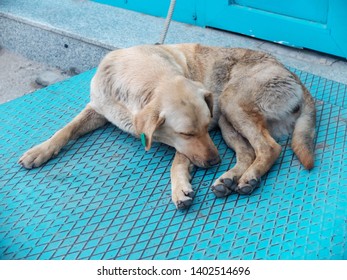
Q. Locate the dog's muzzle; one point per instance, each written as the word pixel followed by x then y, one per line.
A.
pixel 214 161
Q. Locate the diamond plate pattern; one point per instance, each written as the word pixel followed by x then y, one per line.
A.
pixel 104 197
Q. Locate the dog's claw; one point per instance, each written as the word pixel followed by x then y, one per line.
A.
pixel 226 187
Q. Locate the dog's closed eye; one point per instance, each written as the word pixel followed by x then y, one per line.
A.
pixel 187 134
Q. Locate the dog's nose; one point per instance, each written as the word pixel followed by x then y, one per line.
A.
pixel 214 161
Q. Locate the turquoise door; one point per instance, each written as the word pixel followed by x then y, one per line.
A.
pixel 314 24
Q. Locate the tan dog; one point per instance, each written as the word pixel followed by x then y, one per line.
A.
pixel 175 93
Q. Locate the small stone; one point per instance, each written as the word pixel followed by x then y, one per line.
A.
pixel 73 71
pixel 47 78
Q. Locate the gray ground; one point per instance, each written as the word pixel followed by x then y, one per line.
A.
pixel 18 75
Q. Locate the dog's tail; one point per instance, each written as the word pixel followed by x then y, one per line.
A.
pixel 304 132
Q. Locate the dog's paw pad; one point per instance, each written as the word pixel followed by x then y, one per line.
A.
pixel 245 189
pixel 224 188
pixel 184 203
pixel 220 190
pixel 183 197
pixel 248 188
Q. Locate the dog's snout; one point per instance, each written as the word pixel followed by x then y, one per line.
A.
pixel 214 161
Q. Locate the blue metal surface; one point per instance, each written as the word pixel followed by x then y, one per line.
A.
pixel 104 197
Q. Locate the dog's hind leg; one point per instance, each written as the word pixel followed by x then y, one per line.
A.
pixel 182 192
pixel 250 123
pixel 86 121
pixel 227 183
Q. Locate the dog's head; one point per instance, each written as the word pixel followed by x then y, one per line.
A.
pixel 179 116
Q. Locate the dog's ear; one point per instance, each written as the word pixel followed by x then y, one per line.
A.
pixel 208 96
pixel 146 122
pixel 201 90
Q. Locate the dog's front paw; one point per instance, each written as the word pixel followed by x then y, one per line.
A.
pixel 224 187
pixel 248 187
pixel 183 197
pixel 38 155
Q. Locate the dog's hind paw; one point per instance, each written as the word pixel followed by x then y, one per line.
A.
pixel 248 188
pixel 224 187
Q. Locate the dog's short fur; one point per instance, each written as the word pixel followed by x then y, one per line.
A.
pixel 175 93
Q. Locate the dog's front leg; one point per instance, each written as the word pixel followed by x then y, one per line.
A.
pixel 182 192
pixel 86 121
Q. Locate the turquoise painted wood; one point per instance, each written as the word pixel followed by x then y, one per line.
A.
pixel 314 24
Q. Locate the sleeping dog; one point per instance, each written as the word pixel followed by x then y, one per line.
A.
pixel 175 94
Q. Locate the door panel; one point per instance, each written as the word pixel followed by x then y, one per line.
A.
pixel 319 25
pixel 313 10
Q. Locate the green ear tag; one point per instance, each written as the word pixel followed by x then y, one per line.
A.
pixel 143 139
